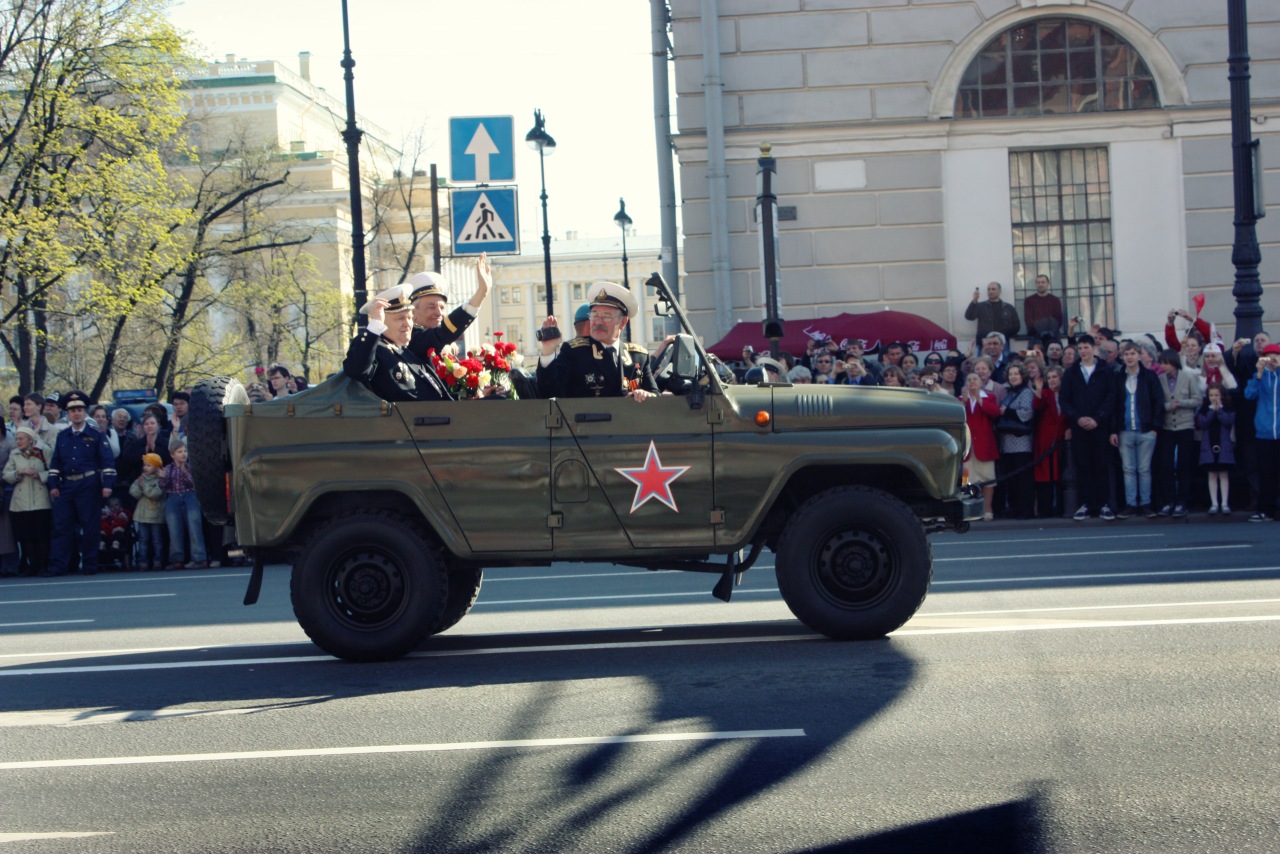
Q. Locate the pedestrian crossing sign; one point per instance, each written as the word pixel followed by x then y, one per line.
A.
pixel 485 221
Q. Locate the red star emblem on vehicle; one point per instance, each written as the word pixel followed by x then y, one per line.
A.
pixel 653 480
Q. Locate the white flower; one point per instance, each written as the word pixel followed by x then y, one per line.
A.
pixel 516 360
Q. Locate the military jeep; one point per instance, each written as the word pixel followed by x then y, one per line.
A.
pixel 390 511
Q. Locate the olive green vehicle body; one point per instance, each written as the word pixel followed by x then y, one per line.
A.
pixel 519 482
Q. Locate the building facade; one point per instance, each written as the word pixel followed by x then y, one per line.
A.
pixel 928 148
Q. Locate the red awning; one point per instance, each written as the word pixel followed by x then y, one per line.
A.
pixel 876 329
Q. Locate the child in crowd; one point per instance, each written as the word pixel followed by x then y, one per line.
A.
pixel 1217 451
pixel 182 511
pixel 149 512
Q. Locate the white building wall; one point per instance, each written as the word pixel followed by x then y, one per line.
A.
pixel 977 221
pixel 1146 224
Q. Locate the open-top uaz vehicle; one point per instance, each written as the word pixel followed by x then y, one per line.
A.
pixel 392 510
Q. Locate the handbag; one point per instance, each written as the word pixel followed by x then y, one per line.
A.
pixel 1009 424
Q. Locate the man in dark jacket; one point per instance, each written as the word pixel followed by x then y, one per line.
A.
pixel 993 315
pixel 1088 402
pixel 1138 413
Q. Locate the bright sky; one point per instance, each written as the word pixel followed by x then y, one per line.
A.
pixel 585 63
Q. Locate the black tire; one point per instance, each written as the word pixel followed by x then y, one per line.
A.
pixel 368 586
pixel 207 451
pixel 853 563
pixel 464 587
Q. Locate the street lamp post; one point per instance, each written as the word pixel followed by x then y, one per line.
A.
pixel 624 222
pixel 351 135
pixel 539 139
pixel 1245 253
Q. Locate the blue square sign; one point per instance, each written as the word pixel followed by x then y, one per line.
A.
pixel 481 149
pixel 485 221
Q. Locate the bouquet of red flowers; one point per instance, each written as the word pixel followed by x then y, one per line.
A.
pixel 480 371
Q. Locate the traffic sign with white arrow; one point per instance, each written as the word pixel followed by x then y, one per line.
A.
pixel 481 149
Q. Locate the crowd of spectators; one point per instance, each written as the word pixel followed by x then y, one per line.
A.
pixel 1094 424
pixel 149 517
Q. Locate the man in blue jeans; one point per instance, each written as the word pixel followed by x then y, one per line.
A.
pixel 1139 408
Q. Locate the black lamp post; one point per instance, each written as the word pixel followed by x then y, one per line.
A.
pixel 1245 254
pixel 541 140
pixel 351 135
pixel 624 222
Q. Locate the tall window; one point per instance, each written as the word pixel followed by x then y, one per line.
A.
pixel 1055 66
pixel 1061 211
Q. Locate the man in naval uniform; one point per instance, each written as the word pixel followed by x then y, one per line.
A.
pixel 433 329
pixel 378 355
pixel 599 364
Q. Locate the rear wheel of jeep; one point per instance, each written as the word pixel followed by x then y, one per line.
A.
pixel 368 587
pixel 207 453
pixel 464 587
pixel 853 563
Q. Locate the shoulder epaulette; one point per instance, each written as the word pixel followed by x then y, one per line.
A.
pixel 636 348
pixel 580 341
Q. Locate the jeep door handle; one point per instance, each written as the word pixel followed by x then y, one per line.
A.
pixel 430 420
pixel 588 417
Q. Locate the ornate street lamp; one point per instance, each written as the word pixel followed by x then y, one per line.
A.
pixel 541 140
pixel 624 222
pixel 351 135
pixel 1245 253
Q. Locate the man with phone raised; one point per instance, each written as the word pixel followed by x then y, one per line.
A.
pixel 598 364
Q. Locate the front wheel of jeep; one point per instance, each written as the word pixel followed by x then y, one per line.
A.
pixel 853 563
pixel 368 586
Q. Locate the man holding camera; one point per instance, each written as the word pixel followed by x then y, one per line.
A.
pixel 993 314
pixel 599 364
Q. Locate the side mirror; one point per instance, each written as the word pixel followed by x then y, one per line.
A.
pixel 687 364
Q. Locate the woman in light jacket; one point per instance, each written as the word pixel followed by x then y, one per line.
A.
pixel 32 512
pixel 1177 451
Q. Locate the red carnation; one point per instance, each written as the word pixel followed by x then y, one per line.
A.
pixel 473 380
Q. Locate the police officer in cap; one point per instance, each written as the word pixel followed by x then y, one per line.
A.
pixel 598 364
pixel 433 329
pixel 379 356
pixel 82 471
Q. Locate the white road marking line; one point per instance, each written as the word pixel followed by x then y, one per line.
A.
pixel 1215 548
pixel 1090 624
pixel 1159 573
pixel 134 578
pixel 56 834
pixel 407 748
pixel 42 623
pixel 1095 608
pixel 964 541
pixel 86 599
pixel 454 653
pixel 635 573
pixel 687 594
pixel 151 649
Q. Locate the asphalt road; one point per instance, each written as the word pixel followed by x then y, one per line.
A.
pixel 1076 688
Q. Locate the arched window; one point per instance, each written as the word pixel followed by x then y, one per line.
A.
pixel 1055 66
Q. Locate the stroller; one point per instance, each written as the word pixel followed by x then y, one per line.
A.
pixel 115 549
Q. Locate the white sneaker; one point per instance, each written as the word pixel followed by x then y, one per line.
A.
pixel 1082 513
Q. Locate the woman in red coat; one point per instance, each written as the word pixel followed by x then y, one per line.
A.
pixel 1051 429
pixel 981 411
